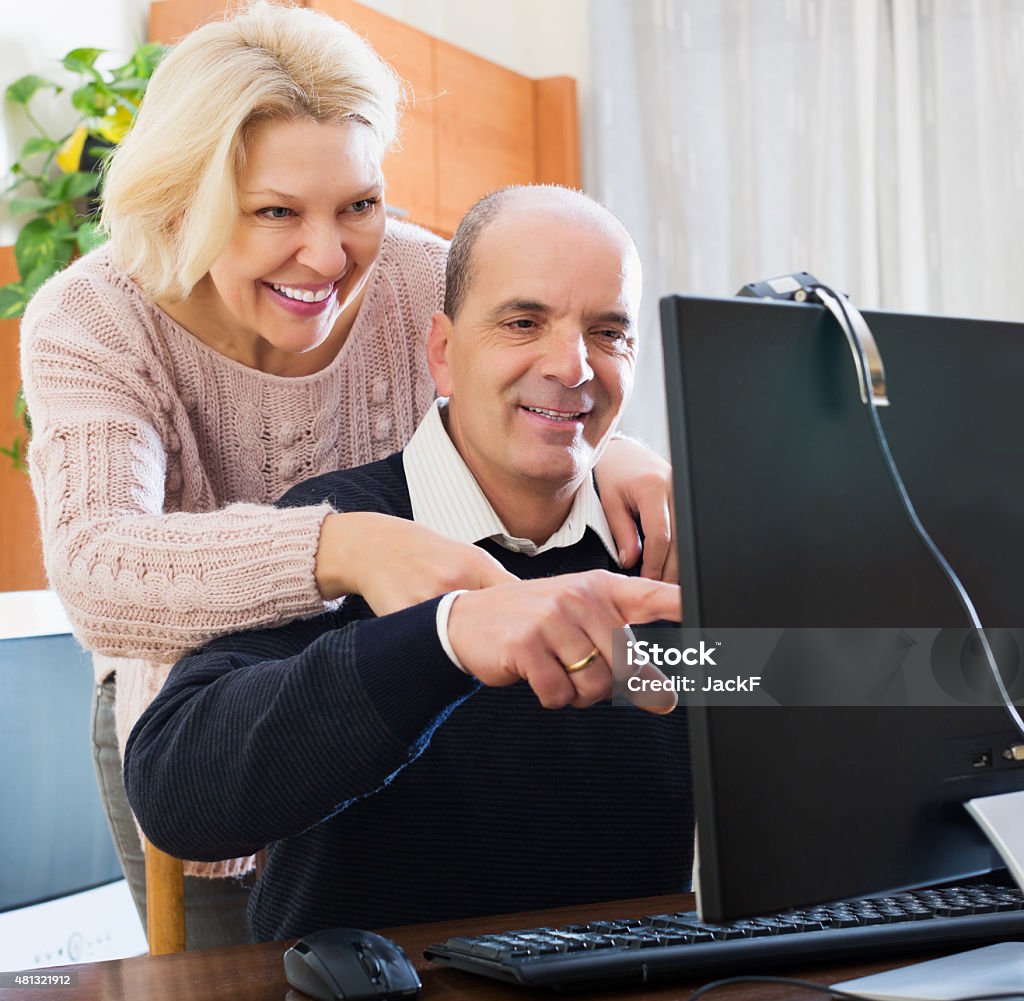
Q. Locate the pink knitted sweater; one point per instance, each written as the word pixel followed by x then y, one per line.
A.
pixel 154 459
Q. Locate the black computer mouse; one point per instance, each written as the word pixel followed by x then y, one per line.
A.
pixel 345 964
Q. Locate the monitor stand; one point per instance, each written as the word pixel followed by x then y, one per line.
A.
pixel 1002 819
pixel 995 969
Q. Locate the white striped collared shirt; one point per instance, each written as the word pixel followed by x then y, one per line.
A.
pixel 446 497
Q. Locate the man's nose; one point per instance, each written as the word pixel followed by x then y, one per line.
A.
pixel 323 250
pixel 567 359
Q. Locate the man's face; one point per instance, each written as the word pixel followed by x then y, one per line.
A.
pixel 539 360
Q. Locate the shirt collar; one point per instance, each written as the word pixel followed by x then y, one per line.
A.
pixel 446 497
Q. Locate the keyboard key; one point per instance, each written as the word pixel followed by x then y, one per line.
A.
pixel 1007 904
pixel 649 939
pixel 919 913
pixel 953 910
pixel 574 943
pixel 669 920
pixel 983 906
pixel 774 925
pixel 488 949
pixel 800 923
pixel 602 927
pixel 751 929
pixel 670 937
pixel 720 933
pixel 844 920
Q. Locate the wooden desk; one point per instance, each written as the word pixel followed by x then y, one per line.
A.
pixel 256 972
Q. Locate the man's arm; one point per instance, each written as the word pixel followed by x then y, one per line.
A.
pixel 263 734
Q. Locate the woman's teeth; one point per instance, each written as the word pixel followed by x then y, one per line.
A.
pixel 303 294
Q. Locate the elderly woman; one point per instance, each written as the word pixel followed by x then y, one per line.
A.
pixel 254 320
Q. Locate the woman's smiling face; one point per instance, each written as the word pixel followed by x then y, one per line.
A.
pixel 310 226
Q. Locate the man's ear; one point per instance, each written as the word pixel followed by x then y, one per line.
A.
pixel 438 347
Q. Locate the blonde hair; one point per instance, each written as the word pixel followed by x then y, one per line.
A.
pixel 170 198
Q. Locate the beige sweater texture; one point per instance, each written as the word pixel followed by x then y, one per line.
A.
pixel 155 460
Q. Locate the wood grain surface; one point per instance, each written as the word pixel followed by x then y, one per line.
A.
pixel 256 972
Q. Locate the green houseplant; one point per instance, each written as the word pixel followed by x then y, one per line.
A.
pixel 54 182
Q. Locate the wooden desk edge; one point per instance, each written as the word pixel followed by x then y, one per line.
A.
pixel 256 972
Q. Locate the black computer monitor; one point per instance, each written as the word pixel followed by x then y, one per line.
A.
pixel 786 518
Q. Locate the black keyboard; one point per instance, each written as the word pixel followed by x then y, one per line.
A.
pixel 666 946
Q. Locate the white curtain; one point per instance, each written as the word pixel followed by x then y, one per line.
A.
pixel 878 144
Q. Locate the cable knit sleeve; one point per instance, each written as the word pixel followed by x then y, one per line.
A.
pixel 139 578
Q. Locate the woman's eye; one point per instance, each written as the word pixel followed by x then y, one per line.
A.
pixel 363 205
pixel 275 212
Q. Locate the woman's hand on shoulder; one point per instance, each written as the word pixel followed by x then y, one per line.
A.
pixel 394 563
pixel 634 481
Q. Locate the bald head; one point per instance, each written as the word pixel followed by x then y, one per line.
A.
pixel 552 201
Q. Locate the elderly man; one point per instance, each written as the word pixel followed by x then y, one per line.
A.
pixel 394 766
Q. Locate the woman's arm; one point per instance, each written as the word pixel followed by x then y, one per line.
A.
pixel 394 563
pixel 137 581
pixel 635 482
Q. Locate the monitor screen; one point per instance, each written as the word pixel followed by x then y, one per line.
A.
pixel 787 518
pixel 54 839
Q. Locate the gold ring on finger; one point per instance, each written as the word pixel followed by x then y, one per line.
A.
pixel 580 665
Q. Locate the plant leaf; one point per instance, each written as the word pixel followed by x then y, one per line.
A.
pixel 146 57
pixel 18 206
pixel 76 185
pixel 21 408
pixel 14 453
pixel 38 275
pixel 37 144
pixel 64 230
pixel 89 237
pixel 81 60
pixel 13 300
pixel 41 244
pixel 114 126
pixel 130 85
pixel 21 91
pixel 101 151
pixel 89 100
